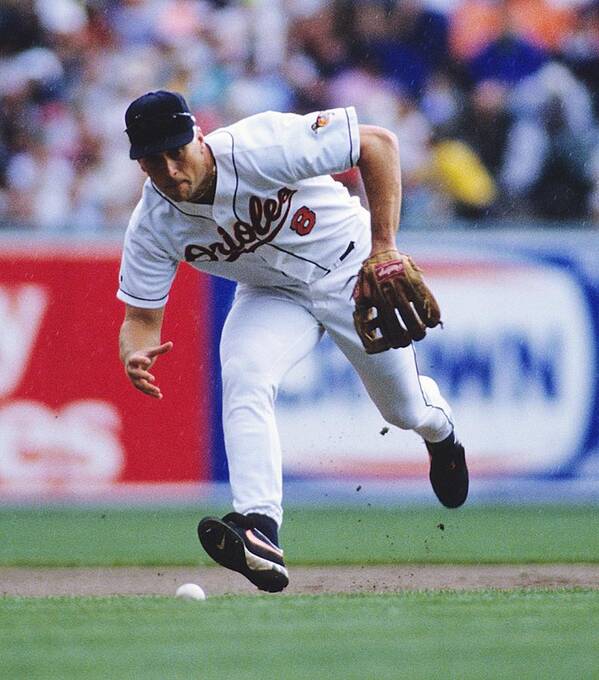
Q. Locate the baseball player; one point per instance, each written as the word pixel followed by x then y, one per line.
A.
pixel 255 202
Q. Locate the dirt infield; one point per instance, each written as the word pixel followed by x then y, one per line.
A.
pixel 43 582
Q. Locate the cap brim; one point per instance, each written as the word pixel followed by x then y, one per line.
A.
pixel 138 151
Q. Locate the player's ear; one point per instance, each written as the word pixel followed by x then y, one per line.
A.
pixel 142 165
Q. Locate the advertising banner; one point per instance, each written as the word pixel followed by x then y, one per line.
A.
pixel 69 418
pixel 516 359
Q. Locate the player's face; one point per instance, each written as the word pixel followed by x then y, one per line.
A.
pixel 180 173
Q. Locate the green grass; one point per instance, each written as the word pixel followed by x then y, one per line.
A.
pixel 490 635
pixel 414 635
pixel 368 535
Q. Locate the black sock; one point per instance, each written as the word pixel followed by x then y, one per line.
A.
pixel 266 525
pixel 439 446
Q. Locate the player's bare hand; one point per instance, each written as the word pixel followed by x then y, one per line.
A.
pixel 138 365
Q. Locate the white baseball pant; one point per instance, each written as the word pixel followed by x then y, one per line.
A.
pixel 266 333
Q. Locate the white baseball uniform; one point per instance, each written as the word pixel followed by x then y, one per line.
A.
pixel 293 239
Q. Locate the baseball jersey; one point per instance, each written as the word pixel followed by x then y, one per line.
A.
pixel 278 217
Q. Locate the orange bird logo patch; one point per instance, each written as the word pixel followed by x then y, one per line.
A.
pixel 322 119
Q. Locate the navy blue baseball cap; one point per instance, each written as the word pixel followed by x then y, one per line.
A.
pixel 158 121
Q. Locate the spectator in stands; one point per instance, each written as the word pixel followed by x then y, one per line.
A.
pixel 580 49
pixel 476 69
pixel 551 145
pixel 508 58
pixel 563 186
pixel 408 40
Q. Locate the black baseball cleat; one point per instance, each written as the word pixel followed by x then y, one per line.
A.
pixel 235 543
pixel 448 471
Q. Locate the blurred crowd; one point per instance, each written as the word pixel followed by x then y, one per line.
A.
pixel 496 104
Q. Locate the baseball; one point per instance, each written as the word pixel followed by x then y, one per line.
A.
pixel 190 591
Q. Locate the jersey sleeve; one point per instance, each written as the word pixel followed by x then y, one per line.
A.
pixel 146 273
pixel 288 148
